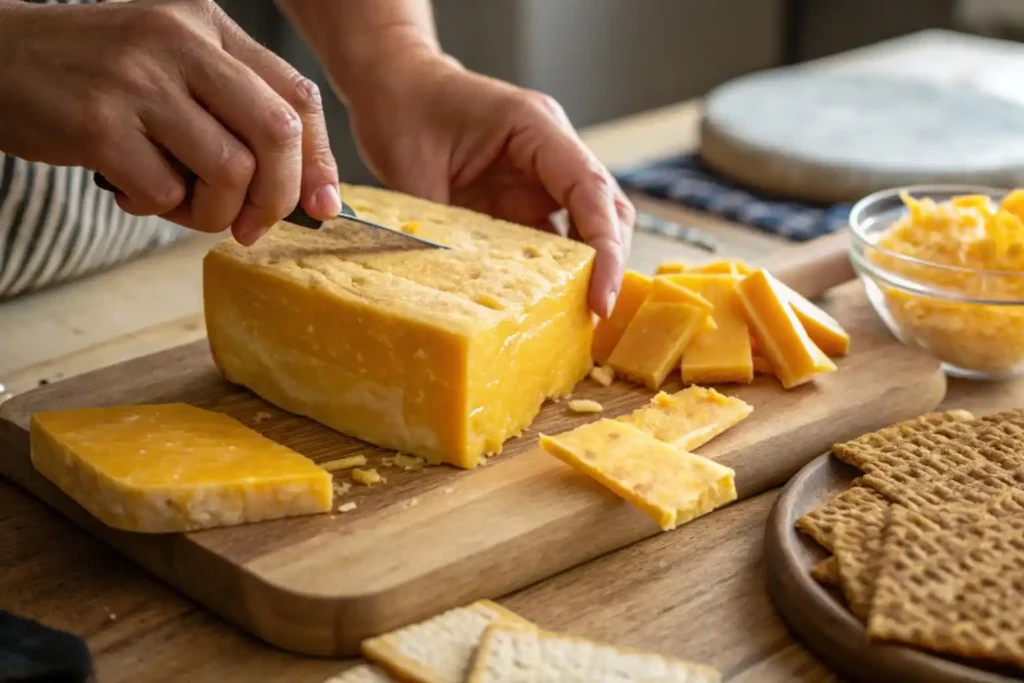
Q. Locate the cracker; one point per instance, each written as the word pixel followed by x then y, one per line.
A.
pixel 363 673
pixel 977 485
pixel 440 649
pixel 856 502
pixel 865 450
pixel 858 546
pixel 957 590
pixel 826 572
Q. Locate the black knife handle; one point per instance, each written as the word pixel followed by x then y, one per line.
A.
pixel 298 216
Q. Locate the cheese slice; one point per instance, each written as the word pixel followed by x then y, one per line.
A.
pixel 780 336
pixel 440 649
pixel 444 354
pixel 824 330
pixel 690 418
pixel 635 288
pixel 669 267
pixel 729 267
pixel 654 341
pixel 510 655
pixel 722 354
pixel 173 467
pixel 669 484
pixel 762 366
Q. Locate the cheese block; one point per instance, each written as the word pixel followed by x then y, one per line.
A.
pixel 635 288
pixel 510 655
pixel 729 267
pixel 824 330
pixel 762 366
pixel 654 341
pixel 439 353
pixel 173 467
pixel 669 267
pixel 780 336
pixel 722 354
pixel 690 418
pixel 440 649
pixel 669 484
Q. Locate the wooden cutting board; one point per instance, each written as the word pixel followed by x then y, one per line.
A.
pixel 827 137
pixel 428 540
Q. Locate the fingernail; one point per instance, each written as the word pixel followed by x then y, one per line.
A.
pixel 327 200
pixel 247 231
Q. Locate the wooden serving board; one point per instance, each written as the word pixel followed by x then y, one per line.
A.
pixel 428 540
pixel 817 615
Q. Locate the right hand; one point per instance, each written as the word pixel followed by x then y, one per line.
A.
pixel 122 87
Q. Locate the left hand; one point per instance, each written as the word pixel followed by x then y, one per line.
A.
pixel 430 128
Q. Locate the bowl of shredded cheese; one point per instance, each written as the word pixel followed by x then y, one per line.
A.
pixel 943 266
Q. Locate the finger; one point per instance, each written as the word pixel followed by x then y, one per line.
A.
pixel 268 126
pixel 147 184
pixel 627 220
pixel 571 175
pixel 222 165
pixel 319 188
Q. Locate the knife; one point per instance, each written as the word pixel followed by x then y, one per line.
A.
pixel 301 218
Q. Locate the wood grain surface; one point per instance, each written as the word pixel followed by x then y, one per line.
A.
pixel 818 615
pixel 431 539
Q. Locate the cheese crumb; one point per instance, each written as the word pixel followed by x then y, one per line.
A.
pixel 342 487
pixel 347 507
pixel 409 462
pixel 261 417
pixel 411 503
pixel 367 477
pixel 448 489
pixel 585 405
pixel 602 374
pixel 344 463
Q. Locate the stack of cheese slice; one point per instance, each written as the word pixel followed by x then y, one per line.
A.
pixel 717 323
pixel 485 643
pixel 643 457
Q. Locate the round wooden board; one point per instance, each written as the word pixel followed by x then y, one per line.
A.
pixel 838 137
pixel 816 615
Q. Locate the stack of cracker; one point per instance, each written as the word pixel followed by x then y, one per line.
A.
pixel 485 643
pixel 928 545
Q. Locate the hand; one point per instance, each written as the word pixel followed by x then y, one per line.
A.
pixel 430 128
pixel 127 89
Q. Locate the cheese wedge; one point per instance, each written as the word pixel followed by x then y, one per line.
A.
pixel 824 330
pixel 690 418
pixel 654 341
pixel 635 288
pixel 780 336
pixel 762 366
pixel 443 354
pixel 510 655
pixel 669 484
pixel 722 354
pixel 440 649
pixel 173 467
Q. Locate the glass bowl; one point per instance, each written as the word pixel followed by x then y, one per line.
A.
pixel 971 320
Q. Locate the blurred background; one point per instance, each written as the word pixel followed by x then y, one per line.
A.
pixel 603 59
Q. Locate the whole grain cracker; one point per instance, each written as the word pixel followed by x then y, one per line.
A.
pixel 858 546
pixel 856 502
pixel 957 590
pixel 864 450
pixel 363 673
pixel 978 485
pixel 826 571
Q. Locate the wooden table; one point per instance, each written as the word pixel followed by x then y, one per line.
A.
pixel 696 593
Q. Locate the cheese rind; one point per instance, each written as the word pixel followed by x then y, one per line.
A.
pixel 444 354
pixel 781 338
pixel 635 288
pixel 654 341
pixel 689 418
pixel 723 354
pixel 669 484
pixel 173 467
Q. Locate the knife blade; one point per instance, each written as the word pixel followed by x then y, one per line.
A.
pixel 347 215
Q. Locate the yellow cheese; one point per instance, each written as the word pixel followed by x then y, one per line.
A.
pixel 344 463
pixel 608 332
pixel 654 341
pixel 444 354
pixel 722 354
pixel 723 268
pixel 762 366
pixel 585 405
pixel 824 330
pixel 780 336
pixel 173 467
pixel 603 375
pixel 367 477
pixel 690 418
pixel 671 485
pixel 670 267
